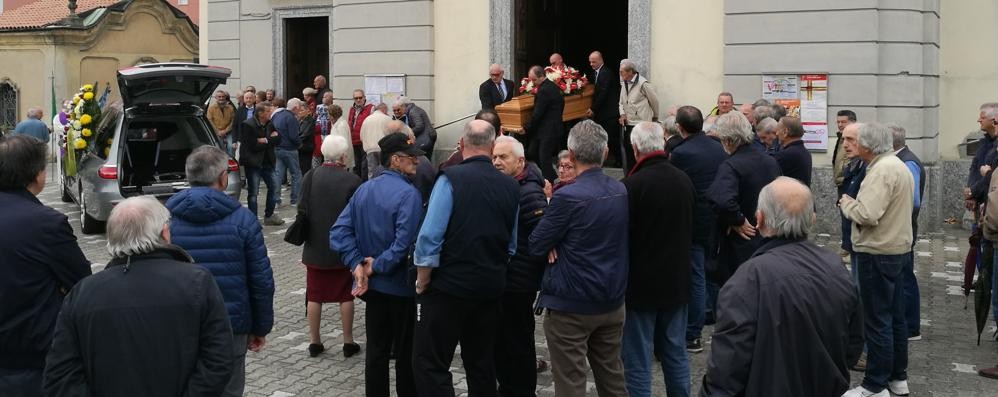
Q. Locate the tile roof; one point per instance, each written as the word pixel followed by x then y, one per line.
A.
pixel 42 13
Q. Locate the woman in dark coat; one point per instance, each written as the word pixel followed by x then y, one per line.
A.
pixel 735 193
pixel 325 192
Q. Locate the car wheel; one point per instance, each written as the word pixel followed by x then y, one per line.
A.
pixel 88 224
pixel 66 197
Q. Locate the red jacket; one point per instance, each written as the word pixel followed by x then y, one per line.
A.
pixel 356 119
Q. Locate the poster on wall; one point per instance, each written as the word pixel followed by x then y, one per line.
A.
pixel 806 97
pixel 383 88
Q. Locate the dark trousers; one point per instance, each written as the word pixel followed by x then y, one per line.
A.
pixel 880 286
pixel 515 353
pixel 360 162
pixel 253 177
pixel 304 162
pixel 21 382
pixel 612 128
pixel 544 147
pixel 442 321
pixel 389 322
pixel 912 299
pixel 627 154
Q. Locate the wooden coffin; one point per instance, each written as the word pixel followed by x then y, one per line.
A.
pixel 516 112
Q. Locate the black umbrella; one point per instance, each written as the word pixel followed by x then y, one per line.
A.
pixel 982 295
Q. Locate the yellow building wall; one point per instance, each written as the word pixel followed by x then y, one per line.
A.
pixel 687 49
pixel 24 67
pixel 968 67
pixel 461 63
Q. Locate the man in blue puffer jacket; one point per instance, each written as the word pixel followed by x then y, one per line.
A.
pixel 226 238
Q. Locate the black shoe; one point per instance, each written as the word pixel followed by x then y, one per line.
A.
pixel 315 348
pixel 708 319
pixel 694 346
pixel 349 349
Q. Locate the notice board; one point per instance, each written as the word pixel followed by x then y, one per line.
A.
pixel 383 88
pixel 806 97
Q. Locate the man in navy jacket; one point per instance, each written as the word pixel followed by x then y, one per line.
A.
pixel 42 262
pixel 584 233
pixel 226 238
pixel 793 158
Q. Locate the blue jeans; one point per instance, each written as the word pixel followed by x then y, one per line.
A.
pixel 287 160
pixel 698 299
pixel 994 290
pixel 881 287
pixel 253 176
pixel 664 330
pixel 912 300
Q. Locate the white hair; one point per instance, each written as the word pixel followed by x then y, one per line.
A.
pixel 648 136
pixel 670 126
pixel 515 144
pixel 875 137
pixel 205 164
pixel 135 225
pixel 35 113
pixel 479 134
pixel 293 104
pixel 587 141
pixel 897 135
pixel 990 109
pixel 334 147
pixel 401 101
pixel 787 213
pixel 733 128
pixel 628 65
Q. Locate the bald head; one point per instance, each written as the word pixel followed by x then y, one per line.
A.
pixel 785 210
pixel 556 60
pixel 595 60
pixel 397 126
pixel 478 138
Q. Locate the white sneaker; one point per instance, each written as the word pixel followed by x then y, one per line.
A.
pixel 898 387
pixel 861 391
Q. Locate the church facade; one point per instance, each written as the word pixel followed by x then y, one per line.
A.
pixel 920 63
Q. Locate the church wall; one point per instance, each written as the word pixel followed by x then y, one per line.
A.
pixel 687 52
pixel 968 72
pixel 21 65
pixel 460 65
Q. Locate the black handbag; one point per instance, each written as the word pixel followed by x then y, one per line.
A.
pixel 298 231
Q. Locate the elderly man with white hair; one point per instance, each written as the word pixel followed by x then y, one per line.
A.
pixel 584 232
pixel 514 347
pixel 226 238
pixel 417 119
pixel 285 122
pixel 496 89
pixel 790 320
pixel 638 102
pixel 160 318
pixel 371 131
pixel 735 191
pixel 659 271
pixel 33 125
pixel 881 240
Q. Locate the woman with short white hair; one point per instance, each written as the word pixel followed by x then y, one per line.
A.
pixel 735 192
pixel 326 190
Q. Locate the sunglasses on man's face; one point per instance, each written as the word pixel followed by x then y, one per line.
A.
pixel 357 98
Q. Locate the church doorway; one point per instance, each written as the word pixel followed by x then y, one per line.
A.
pixel 306 53
pixel 573 28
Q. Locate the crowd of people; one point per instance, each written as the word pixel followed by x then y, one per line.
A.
pixel 710 225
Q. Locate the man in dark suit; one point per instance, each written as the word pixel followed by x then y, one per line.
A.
pixel 496 89
pixel 604 110
pixel 545 127
pixel 245 112
pixel 793 157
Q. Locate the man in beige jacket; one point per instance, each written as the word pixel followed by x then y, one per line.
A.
pixel 881 238
pixel 638 103
pixel 371 131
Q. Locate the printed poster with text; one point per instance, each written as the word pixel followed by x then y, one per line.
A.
pixel 805 97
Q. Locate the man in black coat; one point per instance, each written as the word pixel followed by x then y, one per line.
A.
pixel 545 127
pixel 243 113
pixel 514 345
pixel 606 95
pixel 789 322
pixel 496 89
pixel 793 157
pixel 42 261
pixel 698 156
pixel 256 155
pixel 658 278
pixel 150 324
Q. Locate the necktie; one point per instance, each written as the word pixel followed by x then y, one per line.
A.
pixel 502 90
pixel 596 77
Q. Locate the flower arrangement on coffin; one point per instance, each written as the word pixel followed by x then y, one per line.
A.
pixel 568 79
pixel 82 117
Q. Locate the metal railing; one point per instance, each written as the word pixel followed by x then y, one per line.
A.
pixel 453 121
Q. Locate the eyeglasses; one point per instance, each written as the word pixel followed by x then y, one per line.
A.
pixel 495 74
pixel 406 156
pixel 357 98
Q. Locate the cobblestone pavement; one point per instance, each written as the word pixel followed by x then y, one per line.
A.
pixel 943 363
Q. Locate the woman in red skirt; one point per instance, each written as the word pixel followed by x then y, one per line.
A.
pixel 325 192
